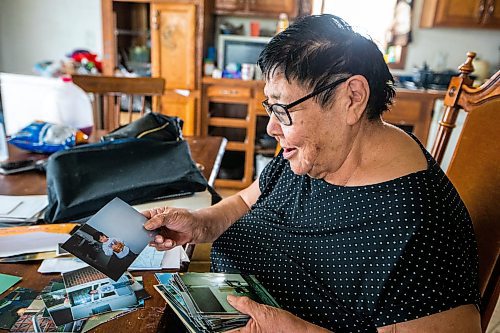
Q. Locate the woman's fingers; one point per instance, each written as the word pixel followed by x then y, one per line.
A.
pixel 155 222
pixel 162 244
pixel 147 213
pixel 159 239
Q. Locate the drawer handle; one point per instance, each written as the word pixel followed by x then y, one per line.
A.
pixel 229 92
pixel 480 12
pixel 491 9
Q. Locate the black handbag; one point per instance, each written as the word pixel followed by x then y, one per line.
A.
pixel 82 180
pixel 153 126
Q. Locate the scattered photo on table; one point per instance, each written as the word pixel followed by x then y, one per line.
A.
pixel 7 281
pixel 112 239
pixel 94 321
pixel 13 306
pixel 149 259
pixel 29 257
pixel 86 293
pixel 36 319
pixel 199 299
pixel 60 251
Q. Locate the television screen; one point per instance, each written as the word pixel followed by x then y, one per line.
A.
pixel 240 49
pixel 242 52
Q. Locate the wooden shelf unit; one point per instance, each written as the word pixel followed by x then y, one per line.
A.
pixel 412 110
pixel 175 35
pixel 227 93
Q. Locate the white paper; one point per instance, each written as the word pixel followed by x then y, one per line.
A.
pixel 196 201
pixel 30 243
pixel 61 265
pixel 8 204
pixel 172 258
pixel 184 256
pixel 26 206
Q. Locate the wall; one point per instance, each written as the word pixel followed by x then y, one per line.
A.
pixel 441 48
pixel 32 31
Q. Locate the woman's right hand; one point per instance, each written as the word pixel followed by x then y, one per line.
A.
pixel 175 226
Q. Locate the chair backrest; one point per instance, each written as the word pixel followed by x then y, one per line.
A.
pixel 107 94
pixel 474 169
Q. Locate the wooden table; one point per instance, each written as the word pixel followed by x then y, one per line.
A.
pixel 206 151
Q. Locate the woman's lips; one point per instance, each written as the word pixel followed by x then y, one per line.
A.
pixel 289 152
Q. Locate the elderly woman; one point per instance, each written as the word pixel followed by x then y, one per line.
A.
pixel 353 227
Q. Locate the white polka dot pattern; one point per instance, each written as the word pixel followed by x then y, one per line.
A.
pixel 352 259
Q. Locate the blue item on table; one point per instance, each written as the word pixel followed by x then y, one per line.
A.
pixel 46 138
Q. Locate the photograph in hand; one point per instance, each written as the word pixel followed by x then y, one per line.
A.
pixel 112 239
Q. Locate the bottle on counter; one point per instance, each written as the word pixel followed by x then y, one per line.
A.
pixel 282 23
pixel 208 67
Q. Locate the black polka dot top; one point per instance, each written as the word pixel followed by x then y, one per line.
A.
pixel 351 259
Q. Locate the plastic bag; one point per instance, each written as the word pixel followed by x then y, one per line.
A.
pixel 28 98
pixel 43 137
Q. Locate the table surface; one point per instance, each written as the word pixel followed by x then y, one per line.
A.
pixel 206 151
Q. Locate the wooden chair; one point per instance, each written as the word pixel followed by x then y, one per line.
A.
pixel 107 92
pixel 474 169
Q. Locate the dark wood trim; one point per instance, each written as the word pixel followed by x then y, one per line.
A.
pixel 402 60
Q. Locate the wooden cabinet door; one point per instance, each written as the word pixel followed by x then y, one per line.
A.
pixel 173 39
pixel 236 5
pixel 173 104
pixel 459 12
pixel 492 14
pixel 272 6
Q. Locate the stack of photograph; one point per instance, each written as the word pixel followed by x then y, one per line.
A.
pixel 199 299
pixel 80 301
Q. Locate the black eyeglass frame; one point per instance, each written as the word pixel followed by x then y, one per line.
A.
pixel 270 108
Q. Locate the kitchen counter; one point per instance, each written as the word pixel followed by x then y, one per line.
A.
pixel 413 110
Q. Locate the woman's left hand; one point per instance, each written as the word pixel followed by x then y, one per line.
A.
pixel 266 318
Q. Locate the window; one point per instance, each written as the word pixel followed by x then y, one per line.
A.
pixel 368 17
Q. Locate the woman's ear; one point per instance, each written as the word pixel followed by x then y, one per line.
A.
pixel 358 92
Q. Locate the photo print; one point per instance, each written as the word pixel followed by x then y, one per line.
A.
pixel 87 292
pixel 112 239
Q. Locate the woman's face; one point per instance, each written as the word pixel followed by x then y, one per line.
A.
pixel 315 142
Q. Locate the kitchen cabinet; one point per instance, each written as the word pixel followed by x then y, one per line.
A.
pixel 170 38
pixel 230 5
pixel 263 8
pixel 174 36
pixel 461 14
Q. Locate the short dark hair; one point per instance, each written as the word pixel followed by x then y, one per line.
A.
pixel 98 235
pixel 316 50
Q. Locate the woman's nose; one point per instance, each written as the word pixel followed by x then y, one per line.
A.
pixel 273 127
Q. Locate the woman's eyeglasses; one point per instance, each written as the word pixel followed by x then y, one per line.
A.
pixel 281 110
